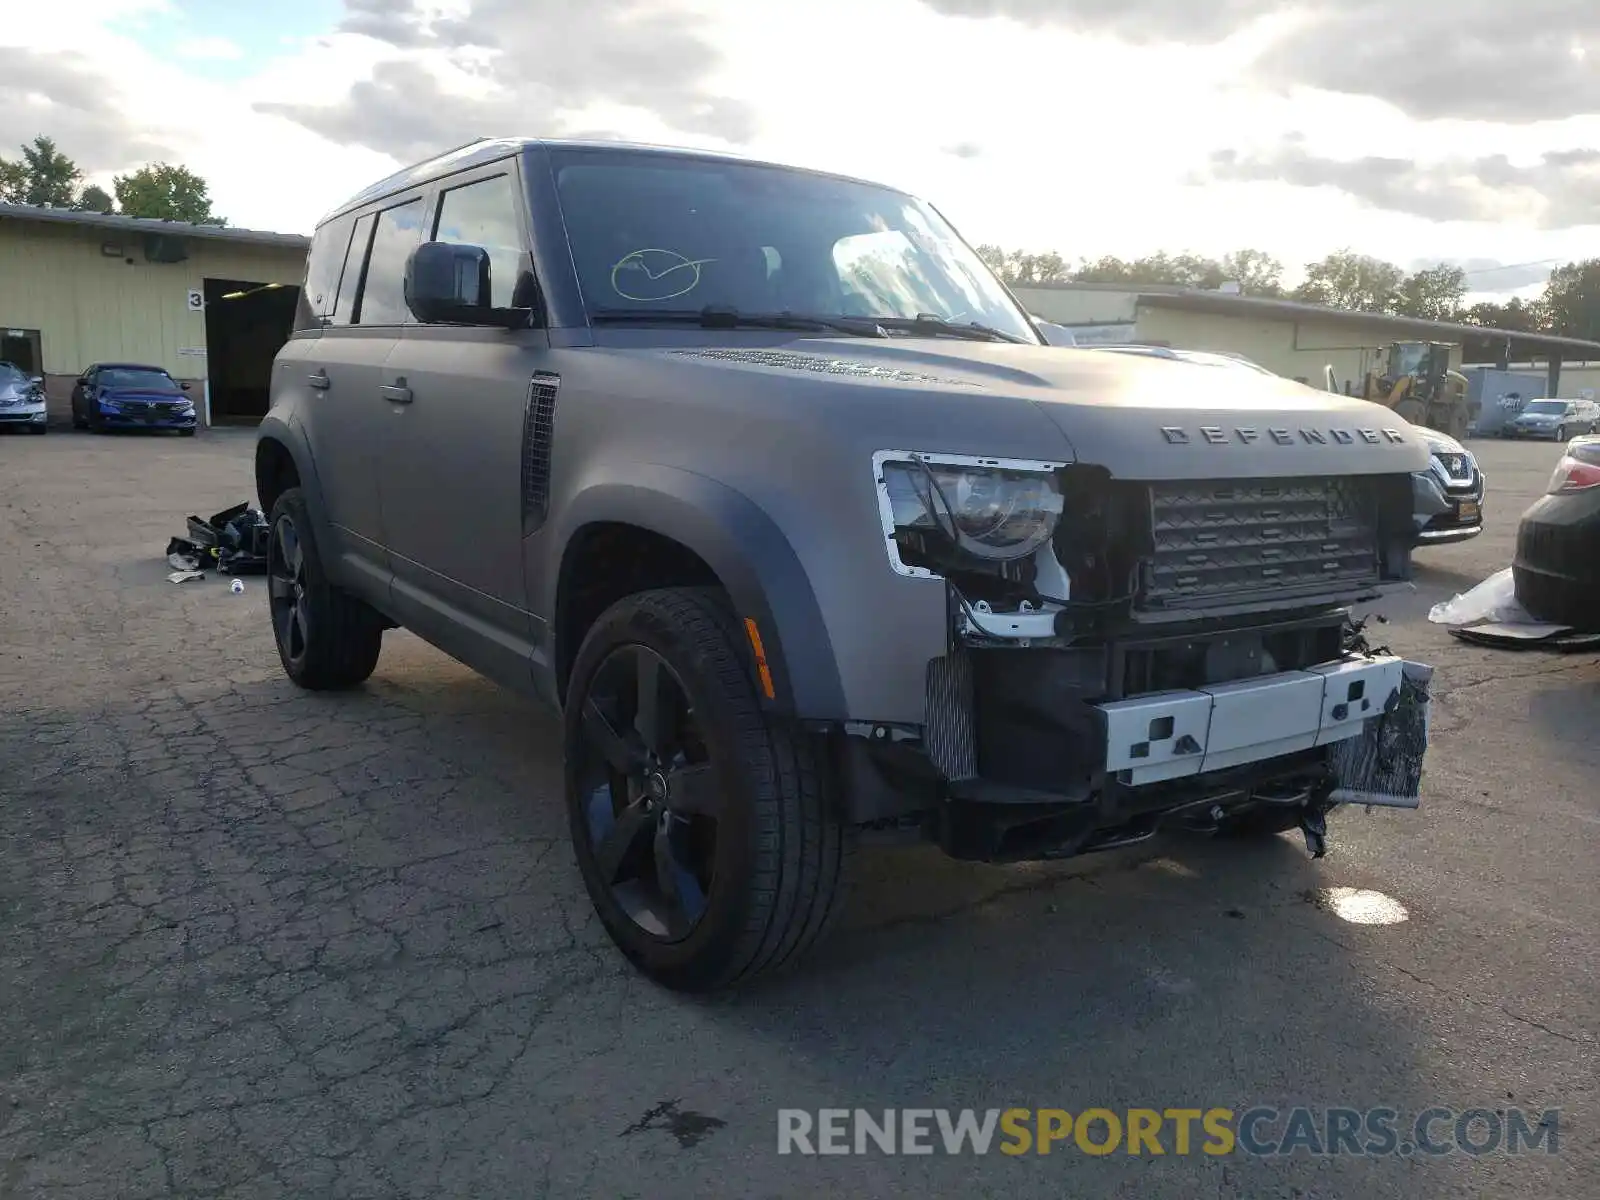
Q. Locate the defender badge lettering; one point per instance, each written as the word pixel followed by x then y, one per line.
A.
pixel 1177 435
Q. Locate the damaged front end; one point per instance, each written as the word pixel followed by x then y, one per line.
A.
pixel 1126 656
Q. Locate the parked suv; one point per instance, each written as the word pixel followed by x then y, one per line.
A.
pixel 764 482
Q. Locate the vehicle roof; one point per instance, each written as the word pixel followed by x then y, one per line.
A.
pixel 487 150
pixel 126 366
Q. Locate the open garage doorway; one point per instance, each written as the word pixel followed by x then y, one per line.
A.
pixel 246 325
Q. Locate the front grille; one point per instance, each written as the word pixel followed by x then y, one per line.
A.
pixel 1224 541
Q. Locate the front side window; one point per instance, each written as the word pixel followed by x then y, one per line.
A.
pixel 140 378
pixel 656 233
pixel 395 235
pixel 485 214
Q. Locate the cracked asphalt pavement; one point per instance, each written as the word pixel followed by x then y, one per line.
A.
pixel 258 943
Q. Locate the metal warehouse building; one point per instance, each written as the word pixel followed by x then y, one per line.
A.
pixel 211 305
pixel 1285 336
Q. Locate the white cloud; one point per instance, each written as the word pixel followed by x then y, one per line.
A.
pixel 208 48
pixel 1032 136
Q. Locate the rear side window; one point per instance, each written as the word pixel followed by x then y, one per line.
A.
pixel 485 214
pixel 324 263
pixel 344 312
pixel 394 236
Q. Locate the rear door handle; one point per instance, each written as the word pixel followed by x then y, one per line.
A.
pixel 320 380
pixel 396 393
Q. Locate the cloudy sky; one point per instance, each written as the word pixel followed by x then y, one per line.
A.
pixel 1463 132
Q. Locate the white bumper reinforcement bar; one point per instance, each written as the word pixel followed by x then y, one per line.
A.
pixel 1167 735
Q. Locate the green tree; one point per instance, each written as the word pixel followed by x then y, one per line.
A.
pixel 1180 270
pixel 1022 268
pixel 1255 271
pixel 166 192
pixel 1515 315
pixel 95 199
pixel 1353 281
pixel 1433 293
pixel 1572 299
pixel 42 176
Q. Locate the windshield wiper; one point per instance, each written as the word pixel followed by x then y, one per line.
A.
pixel 718 317
pixel 930 325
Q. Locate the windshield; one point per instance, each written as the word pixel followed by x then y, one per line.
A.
pixel 13 377
pixel 651 232
pixel 144 379
pixel 1546 407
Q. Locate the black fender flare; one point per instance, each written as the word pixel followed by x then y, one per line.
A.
pixel 750 555
pixel 287 434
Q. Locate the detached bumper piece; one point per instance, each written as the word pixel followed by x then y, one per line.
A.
pixel 1174 734
pixel 1037 774
pixel 233 542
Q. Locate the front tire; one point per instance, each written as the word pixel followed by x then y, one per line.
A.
pixel 1561 433
pixel 327 639
pixel 707 834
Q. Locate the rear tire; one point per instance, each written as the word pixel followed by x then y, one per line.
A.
pixel 754 866
pixel 327 639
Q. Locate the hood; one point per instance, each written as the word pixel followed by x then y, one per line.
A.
pixel 137 393
pixel 1137 416
pixel 1441 443
pixel 20 394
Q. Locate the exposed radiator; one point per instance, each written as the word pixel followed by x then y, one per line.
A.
pixel 1219 542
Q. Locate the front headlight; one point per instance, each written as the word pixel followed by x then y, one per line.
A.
pixel 992 510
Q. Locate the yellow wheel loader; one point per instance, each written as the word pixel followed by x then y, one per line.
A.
pixel 1415 379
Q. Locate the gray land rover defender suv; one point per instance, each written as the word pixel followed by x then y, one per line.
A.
pixel 763 481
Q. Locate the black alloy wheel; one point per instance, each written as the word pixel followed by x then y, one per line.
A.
pixel 651 797
pixel 327 639
pixel 286 590
pixel 709 834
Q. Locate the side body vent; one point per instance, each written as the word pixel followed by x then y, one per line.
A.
pixel 538 433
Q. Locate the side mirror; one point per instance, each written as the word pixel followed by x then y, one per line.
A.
pixel 447 283
pixel 37 381
pixel 83 381
pixel 184 386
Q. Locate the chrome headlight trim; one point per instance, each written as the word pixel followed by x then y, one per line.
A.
pixel 883 458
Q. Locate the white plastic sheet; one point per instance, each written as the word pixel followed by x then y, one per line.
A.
pixel 1492 601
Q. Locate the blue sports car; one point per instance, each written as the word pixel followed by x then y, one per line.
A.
pixel 131 396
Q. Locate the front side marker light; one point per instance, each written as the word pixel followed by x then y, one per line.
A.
pixel 763 672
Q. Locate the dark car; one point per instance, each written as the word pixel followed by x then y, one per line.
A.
pixel 1557 565
pixel 131 396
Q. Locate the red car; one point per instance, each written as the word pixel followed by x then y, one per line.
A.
pixel 1557 565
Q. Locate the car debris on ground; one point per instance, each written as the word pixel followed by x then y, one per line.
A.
pixel 1491 615
pixel 231 542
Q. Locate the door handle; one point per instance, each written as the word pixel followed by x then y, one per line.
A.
pixel 320 380
pixel 396 393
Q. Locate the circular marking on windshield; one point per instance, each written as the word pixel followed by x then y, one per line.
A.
pixel 652 274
